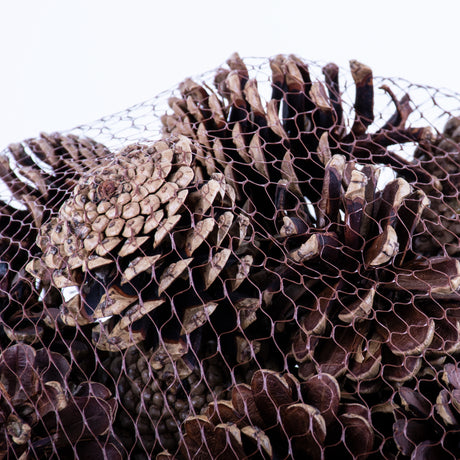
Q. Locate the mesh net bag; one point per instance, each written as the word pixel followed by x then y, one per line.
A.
pixel 260 263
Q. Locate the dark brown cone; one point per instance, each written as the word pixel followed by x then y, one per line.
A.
pixel 256 146
pixel 284 152
pixel 364 256
pixel 36 401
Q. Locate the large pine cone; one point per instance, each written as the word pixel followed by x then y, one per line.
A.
pixel 151 246
pixel 292 138
pixel 154 403
pixel 357 245
pixel 41 417
pixel 369 300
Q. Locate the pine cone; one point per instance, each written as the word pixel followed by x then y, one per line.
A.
pixel 277 417
pixel 38 174
pixel 278 159
pixel 154 403
pixel 368 299
pixel 151 246
pixel 286 142
pixel 40 419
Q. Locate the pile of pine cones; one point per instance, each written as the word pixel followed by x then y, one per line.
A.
pixel 246 286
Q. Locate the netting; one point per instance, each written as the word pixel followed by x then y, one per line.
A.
pixel 261 263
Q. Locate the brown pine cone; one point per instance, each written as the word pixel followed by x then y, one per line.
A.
pixel 154 403
pixel 38 174
pixel 370 307
pixel 258 146
pixel 278 159
pixel 39 416
pixel 152 248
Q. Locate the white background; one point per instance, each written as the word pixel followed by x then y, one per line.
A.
pixel 65 63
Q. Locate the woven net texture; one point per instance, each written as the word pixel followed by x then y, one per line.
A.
pixel 260 263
